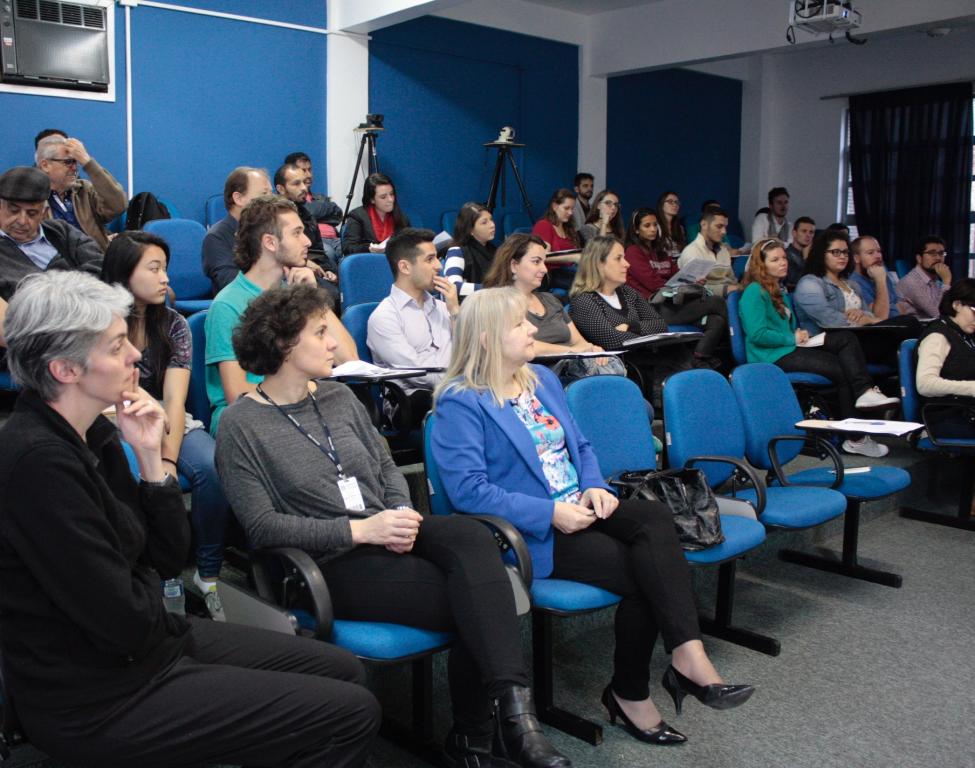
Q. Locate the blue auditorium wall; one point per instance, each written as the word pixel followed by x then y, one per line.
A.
pixel 447 87
pixel 674 129
pixel 208 94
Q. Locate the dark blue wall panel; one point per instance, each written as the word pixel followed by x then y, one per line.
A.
pixel 447 87
pixel 674 129
pixel 208 94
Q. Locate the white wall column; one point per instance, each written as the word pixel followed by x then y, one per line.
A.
pixel 346 103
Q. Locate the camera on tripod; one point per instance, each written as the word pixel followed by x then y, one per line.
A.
pixel 506 136
pixel 373 123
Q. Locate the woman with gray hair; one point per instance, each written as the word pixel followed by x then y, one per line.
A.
pixel 100 672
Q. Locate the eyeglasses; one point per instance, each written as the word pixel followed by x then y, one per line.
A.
pixel 69 162
pixel 838 252
pixel 672 201
pixel 942 254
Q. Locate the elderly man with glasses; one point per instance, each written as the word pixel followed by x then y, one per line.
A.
pixel 921 289
pixel 87 205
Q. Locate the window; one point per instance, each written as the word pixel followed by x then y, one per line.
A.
pixel 847 210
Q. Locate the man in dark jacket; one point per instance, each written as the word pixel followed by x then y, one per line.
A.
pixel 29 242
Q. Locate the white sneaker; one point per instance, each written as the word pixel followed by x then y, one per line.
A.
pixel 874 398
pixel 209 591
pixel 866 447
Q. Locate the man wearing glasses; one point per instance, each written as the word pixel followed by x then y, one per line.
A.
pixel 87 204
pixel 921 289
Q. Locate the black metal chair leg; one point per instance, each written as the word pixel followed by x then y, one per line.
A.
pixel 721 627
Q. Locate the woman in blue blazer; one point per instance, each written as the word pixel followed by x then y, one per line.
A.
pixel 505 443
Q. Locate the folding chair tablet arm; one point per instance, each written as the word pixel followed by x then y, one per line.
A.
pixel 825 445
pixel 966 412
pixel 510 538
pixel 745 469
pixel 302 571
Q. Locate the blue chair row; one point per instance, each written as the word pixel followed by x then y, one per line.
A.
pixel 186 278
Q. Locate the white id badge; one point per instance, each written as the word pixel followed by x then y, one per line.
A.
pixel 351 495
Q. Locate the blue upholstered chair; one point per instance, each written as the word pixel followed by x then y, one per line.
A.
pixel 705 429
pixel 7 382
pixel 515 221
pixel 356 322
pixel 447 220
pixel 197 400
pixel 186 278
pixel 911 406
pixel 214 210
pixel 549 598
pixel 609 411
pixel 769 412
pixel 364 277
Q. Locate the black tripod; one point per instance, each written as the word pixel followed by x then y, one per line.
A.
pixel 504 152
pixel 369 136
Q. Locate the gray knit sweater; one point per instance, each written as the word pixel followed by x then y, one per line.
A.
pixel 284 490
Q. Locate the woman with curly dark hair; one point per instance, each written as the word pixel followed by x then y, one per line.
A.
pixel 305 468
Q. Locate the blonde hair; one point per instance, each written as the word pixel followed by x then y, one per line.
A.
pixel 588 275
pixel 477 360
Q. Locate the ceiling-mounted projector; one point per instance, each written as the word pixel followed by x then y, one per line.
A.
pixel 823 16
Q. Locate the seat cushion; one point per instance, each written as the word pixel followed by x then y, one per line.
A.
pixel 801 507
pixel 812 379
pixel 741 535
pixel 192 306
pixel 875 484
pixel 569 596
pixel 381 641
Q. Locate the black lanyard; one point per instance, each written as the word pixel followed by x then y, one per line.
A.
pixel 330 451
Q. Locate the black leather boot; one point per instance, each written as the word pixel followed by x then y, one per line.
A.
pixel 468 750
pixel 519 736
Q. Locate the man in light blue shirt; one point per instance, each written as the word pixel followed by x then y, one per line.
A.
pixel 871 280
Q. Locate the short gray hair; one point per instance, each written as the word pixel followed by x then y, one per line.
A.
pixel 58 315
pixel 48 147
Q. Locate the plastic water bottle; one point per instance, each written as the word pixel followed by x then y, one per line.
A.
pixel 174 598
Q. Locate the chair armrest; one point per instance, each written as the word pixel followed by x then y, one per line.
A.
pixel 748 471
pixel 828 448
pixel 509 537
pixel 300 567
pixel 736 508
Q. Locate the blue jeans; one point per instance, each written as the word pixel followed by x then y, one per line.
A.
pixel 209 509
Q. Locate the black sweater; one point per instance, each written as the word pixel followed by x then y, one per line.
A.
pixel 82 613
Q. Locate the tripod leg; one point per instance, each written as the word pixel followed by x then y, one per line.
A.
pixel 373 154
pixel 498 173
pixel 355 176
pixel 521 186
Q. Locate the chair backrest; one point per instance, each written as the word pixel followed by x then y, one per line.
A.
pixel 515 221
pixel 768 407
pixel 364 277
pixel 611 412
pixel 738 264
pixel 185 240
pixel 197 401
pixel 735 329
pixel 439 503
pixel 215 210
pixel 701 418
pixel 907 369
pixel 356 322
pixel 447 220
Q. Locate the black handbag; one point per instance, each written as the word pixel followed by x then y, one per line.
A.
pixel 687 493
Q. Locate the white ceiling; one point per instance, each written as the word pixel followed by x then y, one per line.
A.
pixel 591 7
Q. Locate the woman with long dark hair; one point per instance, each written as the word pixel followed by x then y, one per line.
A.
pixel 376 220
pixel 604 217
pixel 469 258
pixel 556 227
pixel 673 236
pixel 138 261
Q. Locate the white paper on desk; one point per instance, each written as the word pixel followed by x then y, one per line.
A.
pixel 689 335
pixel 364 369
pixel 814 341
pixel 378 247
pixel 690 273
pixel 564 355
pixel 866 426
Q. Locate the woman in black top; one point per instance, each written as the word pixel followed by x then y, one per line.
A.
pixel 379 218
pixel 470 256
pixel 100 672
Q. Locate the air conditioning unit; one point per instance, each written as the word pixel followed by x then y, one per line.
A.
pixel 824 16
pixel 54 44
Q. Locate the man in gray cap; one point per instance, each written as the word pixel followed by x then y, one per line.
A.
pixel 29 241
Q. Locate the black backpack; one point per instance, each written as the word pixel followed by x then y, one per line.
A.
pixel 144 207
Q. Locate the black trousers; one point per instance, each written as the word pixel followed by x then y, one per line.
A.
pixel 635 553
pixel 840 360
pixel 713 308
pixel 239 695
pixel 453 580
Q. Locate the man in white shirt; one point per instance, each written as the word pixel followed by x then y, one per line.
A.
pixel 774 223
pixel 412 327
pixel 708 245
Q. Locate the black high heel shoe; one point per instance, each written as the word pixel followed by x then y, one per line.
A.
pixel 663 734
pixel 718 696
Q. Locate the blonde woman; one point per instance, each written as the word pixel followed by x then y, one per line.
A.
pixel 504 441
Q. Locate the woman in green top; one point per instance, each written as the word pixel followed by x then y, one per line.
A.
pixel 771 336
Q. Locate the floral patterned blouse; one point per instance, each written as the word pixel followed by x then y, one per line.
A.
pixel 549 439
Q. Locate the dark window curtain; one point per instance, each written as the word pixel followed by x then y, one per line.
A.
pixel 911 160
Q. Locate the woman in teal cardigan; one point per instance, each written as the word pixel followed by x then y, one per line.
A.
pixel 771 336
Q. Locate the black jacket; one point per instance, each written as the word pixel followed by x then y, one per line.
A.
pixel 359 233
pixel 81 612
pixel 75 251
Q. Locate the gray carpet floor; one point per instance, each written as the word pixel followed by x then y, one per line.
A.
pixel 868 676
